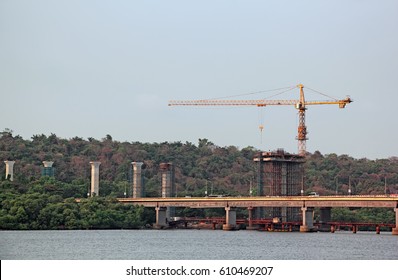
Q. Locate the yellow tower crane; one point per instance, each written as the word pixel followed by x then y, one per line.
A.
pixel 300 104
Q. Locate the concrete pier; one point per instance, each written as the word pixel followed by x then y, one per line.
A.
pixel 230 218
pixel 395 230
pixel 138 190
pixel 168 188
pixel 326 217
pixel 308 219
pixel 279 174
pixel 167 179
pixel 161 218
pixel 9 169
pixel 48 164
pixel 47 169
pixel 94 178
pixel 250 226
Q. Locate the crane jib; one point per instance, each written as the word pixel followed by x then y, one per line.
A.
pixel 300 105
pixel 258 103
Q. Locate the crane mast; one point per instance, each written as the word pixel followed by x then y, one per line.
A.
pixel 300 104
pixel 302 129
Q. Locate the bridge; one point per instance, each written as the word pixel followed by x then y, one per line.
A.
pixel 306 203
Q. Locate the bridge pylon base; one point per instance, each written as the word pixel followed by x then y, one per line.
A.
pixel 307 229
pixel 157 226
pixel 229 227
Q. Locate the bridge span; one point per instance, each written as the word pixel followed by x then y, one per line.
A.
pixel 266 201
pixel 306 203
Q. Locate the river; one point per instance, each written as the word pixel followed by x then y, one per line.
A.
pixel 195 245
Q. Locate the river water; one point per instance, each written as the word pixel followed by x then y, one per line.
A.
pixel 195 245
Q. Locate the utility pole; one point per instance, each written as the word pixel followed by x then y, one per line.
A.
pixel 349 185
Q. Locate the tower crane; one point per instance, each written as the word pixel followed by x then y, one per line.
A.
pixel 300 104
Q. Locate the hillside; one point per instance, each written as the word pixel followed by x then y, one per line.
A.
pixel 226 170
pixel 220 170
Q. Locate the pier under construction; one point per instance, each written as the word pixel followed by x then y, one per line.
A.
pixel 280 174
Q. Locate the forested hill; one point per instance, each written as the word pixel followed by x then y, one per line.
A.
pixel 33 201
pixel 222 170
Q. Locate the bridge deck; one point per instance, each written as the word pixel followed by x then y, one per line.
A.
pixel 265 201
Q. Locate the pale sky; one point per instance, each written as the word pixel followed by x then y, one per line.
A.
pixel 91 68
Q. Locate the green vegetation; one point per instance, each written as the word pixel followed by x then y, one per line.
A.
pixel 41 205
pixel 35 202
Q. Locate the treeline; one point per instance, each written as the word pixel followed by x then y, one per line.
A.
pixel 35 202
pixel 333 174
pixel 42 205
pixel 223 170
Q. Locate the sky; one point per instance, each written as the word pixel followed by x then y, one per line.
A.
pixel 92 68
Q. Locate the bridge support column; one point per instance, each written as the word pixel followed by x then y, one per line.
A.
pixel 9 169
pixel 161 219
pixel 230 218
pixel 250 209
pixel 326 216
pixel 94 191
pixel 395 230
pixel 138 190
pixel 48 169
pixel 308 219
pixel 168 187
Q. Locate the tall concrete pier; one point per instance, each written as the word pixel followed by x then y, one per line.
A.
pixel 48 169
pixel 280 174
pixel 138 189
pixel 9 169
pixel 168 189
pixel 167 179
pixel 94 178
